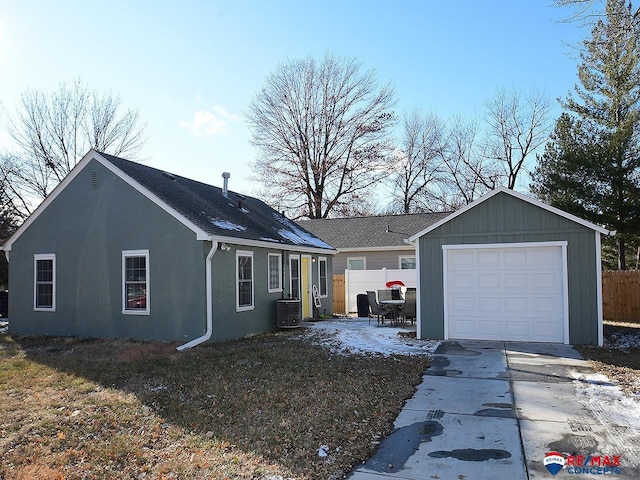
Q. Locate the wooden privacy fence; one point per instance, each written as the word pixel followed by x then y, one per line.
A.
pixel 338 293
pixel 621 295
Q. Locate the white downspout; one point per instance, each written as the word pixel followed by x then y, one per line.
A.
pixel 209 284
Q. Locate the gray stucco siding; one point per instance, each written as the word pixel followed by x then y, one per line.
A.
pixel 87 229
pixel 505 219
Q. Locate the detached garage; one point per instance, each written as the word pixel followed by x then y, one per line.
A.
pixel 508 267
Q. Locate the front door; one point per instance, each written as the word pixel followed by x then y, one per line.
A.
pixel 305 283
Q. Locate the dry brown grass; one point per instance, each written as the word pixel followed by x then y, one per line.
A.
pixel 255 408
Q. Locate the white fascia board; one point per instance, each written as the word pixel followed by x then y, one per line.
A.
pixel 599 289
pixel 270 245
pixel 518 195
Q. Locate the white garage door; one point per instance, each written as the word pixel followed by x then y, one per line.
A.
pixel 505 292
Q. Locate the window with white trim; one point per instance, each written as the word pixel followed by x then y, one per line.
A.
pixel 275 272
pixel 244 281
pixel 407 262
pixel 294 276
pixel 357 263
pixel 135 282
pixel 322 276
pixel 44 285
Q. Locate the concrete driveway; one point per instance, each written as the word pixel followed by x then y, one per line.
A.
pixel 495 410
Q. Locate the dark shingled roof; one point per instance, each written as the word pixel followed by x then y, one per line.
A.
pixel 238 216
pixel 368 232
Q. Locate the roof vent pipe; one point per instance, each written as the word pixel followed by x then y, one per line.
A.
pixel 225 184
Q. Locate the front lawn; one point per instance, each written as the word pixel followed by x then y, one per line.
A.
pixel 266 407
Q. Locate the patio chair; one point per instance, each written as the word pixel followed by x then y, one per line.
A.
pixel 409 307
pixel 376 309
pixel 384 295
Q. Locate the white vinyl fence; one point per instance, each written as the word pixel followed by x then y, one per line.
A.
pixel 359 281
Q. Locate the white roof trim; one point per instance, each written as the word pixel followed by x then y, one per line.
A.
pixel 270 245
pixel 513 193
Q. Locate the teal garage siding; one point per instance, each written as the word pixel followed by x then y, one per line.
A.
pixel 504 218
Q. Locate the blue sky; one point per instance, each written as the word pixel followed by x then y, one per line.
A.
pixel 192 67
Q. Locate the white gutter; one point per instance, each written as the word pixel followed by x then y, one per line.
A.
pixel 208 282
pixel 270 244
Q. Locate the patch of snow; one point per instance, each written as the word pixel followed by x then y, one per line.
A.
pixel 300 237
pixel 283 220
pixel 226 225
pixel 620 412
pixel 347 336
pixel 295 234
pixel 265 239
pixel 323 451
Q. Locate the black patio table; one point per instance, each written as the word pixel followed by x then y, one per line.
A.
pixel 396 304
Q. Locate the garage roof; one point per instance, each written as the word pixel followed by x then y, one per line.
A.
pixel 515 194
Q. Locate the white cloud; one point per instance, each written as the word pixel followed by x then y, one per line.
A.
pixel 224 113
pixel 208 123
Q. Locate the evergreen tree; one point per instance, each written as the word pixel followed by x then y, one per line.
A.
pixel 564 176
pixel 591 167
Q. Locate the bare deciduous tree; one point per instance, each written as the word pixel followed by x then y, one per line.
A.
pixel 466 173
pixel 10 214
pixel 417 167
pixel 53 130
pixel 446 166
pixel 588 11
pixel 452 171
pixel 15 195
pixel 320 129
pixel 518 125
